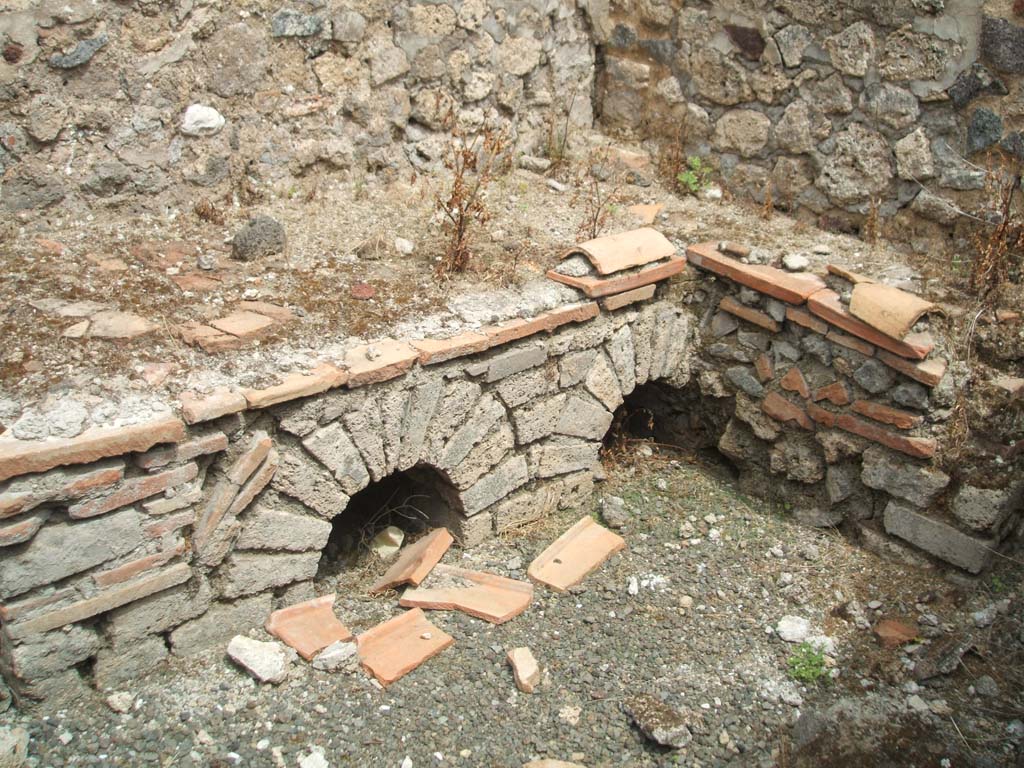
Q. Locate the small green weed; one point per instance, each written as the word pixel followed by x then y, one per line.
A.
pixel 998 585
pixel 697 176
pixel 807 664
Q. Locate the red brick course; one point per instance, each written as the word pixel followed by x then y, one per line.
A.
pixel 21 457
pixel 886 414
pixel 733 307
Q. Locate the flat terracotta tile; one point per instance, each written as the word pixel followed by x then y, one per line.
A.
pixel 380 361
pixel 399 645
pixel 434 351
pixel 826 305
pixel 781 409
pixel 415 561
pixel 200 408
pixel 273 311
pixel 794 381
pixel 886 414
pixel 890 310
pixel 573 555
pixel 308 627
pixel 296 385
pixel 519 328
pixel 595 287
pixel 929 372
pixel 785 286
pixel 751 315
pixel 491 598
pixel 244 325
pixel 620 300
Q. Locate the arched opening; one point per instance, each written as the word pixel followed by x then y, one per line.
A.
pixel 415 500
pixel 668 417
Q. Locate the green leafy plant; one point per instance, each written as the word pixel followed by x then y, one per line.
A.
pixel 696 177
pixel 998 585
pixel 807 664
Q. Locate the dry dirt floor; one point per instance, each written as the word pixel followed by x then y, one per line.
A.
pixel 686 615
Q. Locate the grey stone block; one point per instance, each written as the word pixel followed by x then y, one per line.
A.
pixel 603 384
pixel 366 427
pixel 643 329
pixel 304 479
pixel 514 361
pixel 874 376
pixel 455 406
pixel 742 377
pixel 538 419
pixel 160 612
pixel 54 652
pixel 246 573
pixel 119 664
pixel 63 549
pixel 886 471
pixel 394 406
pixel 268 528
pixel 420 410
pixel 937 538
pixel 496 485
pixel 525 386
pixel 575 366
pixel 336 451
pixel 581 418
pixel 564 456
pixel 485 415
pixel 219 624
pixel 840 482
pixel 981 509
pixel 623 357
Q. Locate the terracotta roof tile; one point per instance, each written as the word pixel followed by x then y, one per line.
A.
pixel 785 286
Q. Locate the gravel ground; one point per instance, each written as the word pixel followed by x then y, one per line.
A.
pixel 685 614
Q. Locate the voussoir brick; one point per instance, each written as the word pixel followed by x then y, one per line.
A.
pixel 21 457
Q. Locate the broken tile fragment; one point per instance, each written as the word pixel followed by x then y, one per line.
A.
pixel 308 627
pixel 415 561
pixel 399 645
pixel 525 669
pixel 573 555
pixel 484 595
pixel 596 287
pixel 337 655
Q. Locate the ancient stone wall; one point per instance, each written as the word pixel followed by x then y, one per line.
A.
pixel 126 544
pixel 828 106
pixel 845 426
pixel 152 103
